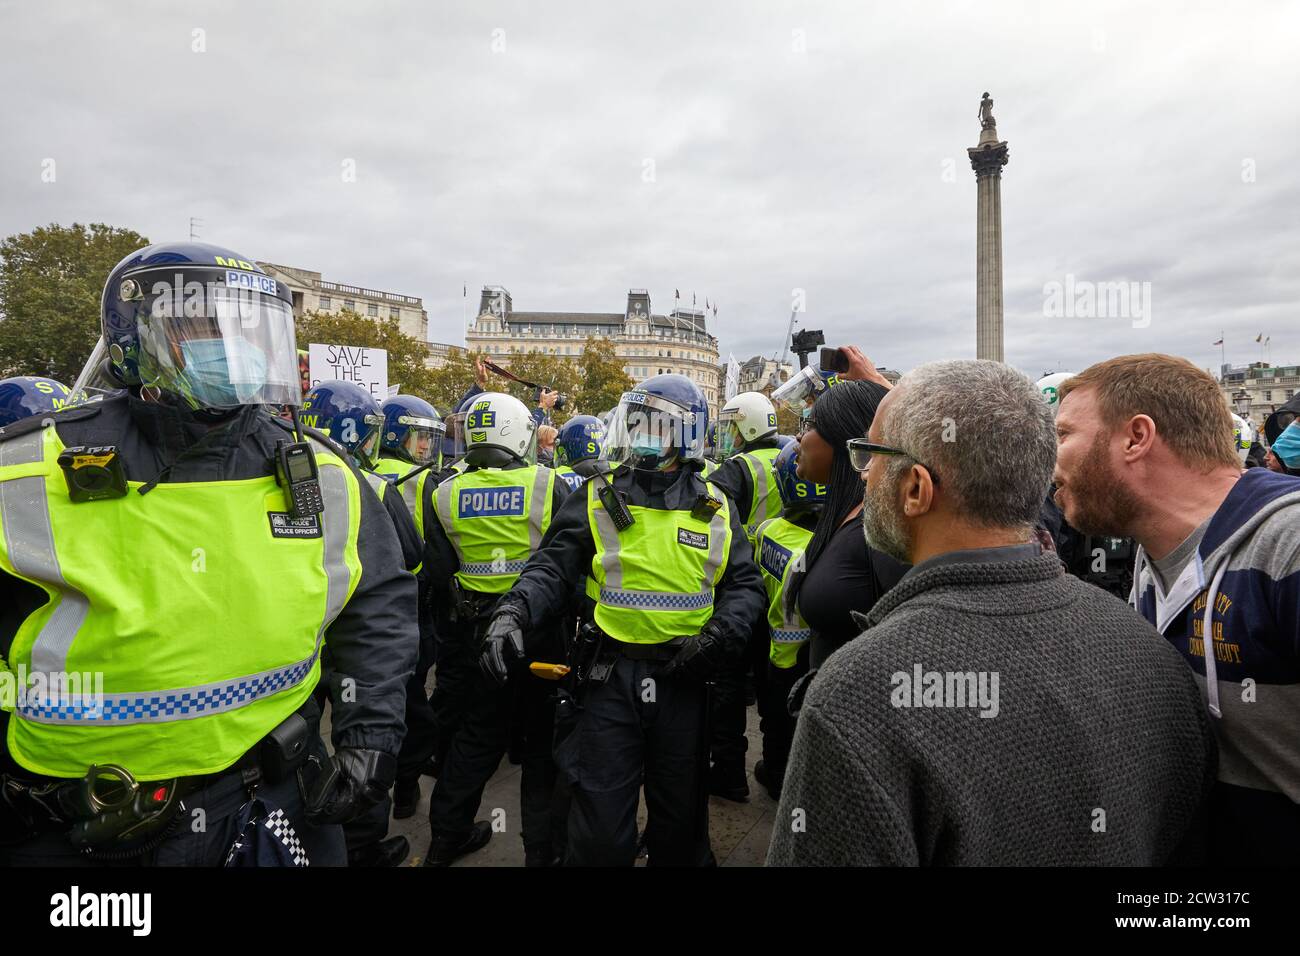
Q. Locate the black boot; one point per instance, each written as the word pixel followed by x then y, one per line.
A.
pixel 540 854
pixel 445 852
pixel 390 852
pixel 771 782
pixel 729 782
pixel 406 796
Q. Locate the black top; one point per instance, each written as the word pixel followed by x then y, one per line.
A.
pixel 847 576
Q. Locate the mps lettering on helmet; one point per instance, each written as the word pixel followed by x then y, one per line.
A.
pixel 491 502
pixel 236 264
pixel 251 280
pixel 481 419
pixel 773 558
pixel 481 405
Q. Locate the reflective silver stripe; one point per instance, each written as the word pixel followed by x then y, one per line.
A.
pixel 484 568
pixel 791 637
pixel 29 542
pixel 443 510
pixel 717 548
pixel 376 482
pixel 609 559
pixel 762 474
pixel 537 506
pixel 656 600
pixel 411 494
pixel 147 707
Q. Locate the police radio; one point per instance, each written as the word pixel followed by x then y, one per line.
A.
pixel 297 471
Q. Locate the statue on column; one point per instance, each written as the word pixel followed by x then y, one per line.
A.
pixel 986 113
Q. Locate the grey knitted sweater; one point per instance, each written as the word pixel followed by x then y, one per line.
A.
pixel 1096 748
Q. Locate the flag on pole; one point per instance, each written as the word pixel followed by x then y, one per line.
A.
pixel 715 309
pixel 692 300
pixel 677 293
pixel 464 290
pixel 1260 337
pixel 1220 342
pixel 733 377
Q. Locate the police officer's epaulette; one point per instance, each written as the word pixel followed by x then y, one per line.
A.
pixel 26 426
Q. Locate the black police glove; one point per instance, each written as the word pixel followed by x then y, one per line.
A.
pixel 354 782
pixel 702 657
pixel 503 643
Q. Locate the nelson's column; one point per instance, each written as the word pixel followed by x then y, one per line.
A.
pixel 987 159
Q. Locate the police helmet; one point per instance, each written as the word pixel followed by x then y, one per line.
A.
pixel 413 429
pixel 663 420
pixel 795 491
pixel 746 418
pixel 579 439
pixel 26 395
pixel 499 430
pixel 349 414
pixel 201 324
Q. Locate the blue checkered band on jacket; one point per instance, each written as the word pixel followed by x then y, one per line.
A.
pixel 656 600
pixel 159 706
pixel 791 637
pixel 492 567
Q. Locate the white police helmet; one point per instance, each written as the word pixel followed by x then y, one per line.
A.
pixel 499 429
pixel 746 418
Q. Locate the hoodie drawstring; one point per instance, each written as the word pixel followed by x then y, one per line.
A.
pixel 1207 642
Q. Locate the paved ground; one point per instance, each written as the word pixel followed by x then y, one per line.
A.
pixel 739 831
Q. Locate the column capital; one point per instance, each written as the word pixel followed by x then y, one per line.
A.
pixel 988 159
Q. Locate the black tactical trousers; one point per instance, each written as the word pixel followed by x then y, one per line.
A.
pixel 775 721
pixel 482 737
pixel 636 729
pixel 729 744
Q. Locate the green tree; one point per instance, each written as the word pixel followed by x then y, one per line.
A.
pixel 543 368
pixel 51 282
pixel 406 354
pixel 603 379
pixel 452 380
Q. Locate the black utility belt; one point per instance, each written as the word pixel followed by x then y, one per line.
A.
pixel 663 651
pixel 109 813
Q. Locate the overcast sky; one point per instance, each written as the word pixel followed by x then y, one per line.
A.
pixel 734 151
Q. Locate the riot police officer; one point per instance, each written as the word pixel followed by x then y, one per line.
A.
pixel 577 449
pixel 195 553
pixel 490 518
pixel 351 416
pixel 411 438
pixel 672 593
pixel 780 543
pixel 748 442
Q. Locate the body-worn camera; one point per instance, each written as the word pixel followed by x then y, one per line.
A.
pixel 93 473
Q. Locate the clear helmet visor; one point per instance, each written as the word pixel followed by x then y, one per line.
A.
pixel 453 437
pixel 649 433
pixel 802 391
pixel 729 440
pixel 217 346
pixel 423 439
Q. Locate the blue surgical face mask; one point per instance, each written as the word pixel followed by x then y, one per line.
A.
pixel 1287 446
pixel 208 370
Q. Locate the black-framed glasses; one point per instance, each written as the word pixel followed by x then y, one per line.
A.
pixel 806 424
pixel 861 450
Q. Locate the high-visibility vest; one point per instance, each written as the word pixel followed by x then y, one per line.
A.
pixel 765 502
pixel 201 607
pixel 494 519
pixel 412 491
pixel 780 543
pixel 655 580
pixel 709 468
pixel 569 477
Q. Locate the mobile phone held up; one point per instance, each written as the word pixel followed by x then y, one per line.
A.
pixel 833 360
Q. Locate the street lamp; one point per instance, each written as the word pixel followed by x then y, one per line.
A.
pixel 1242 400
